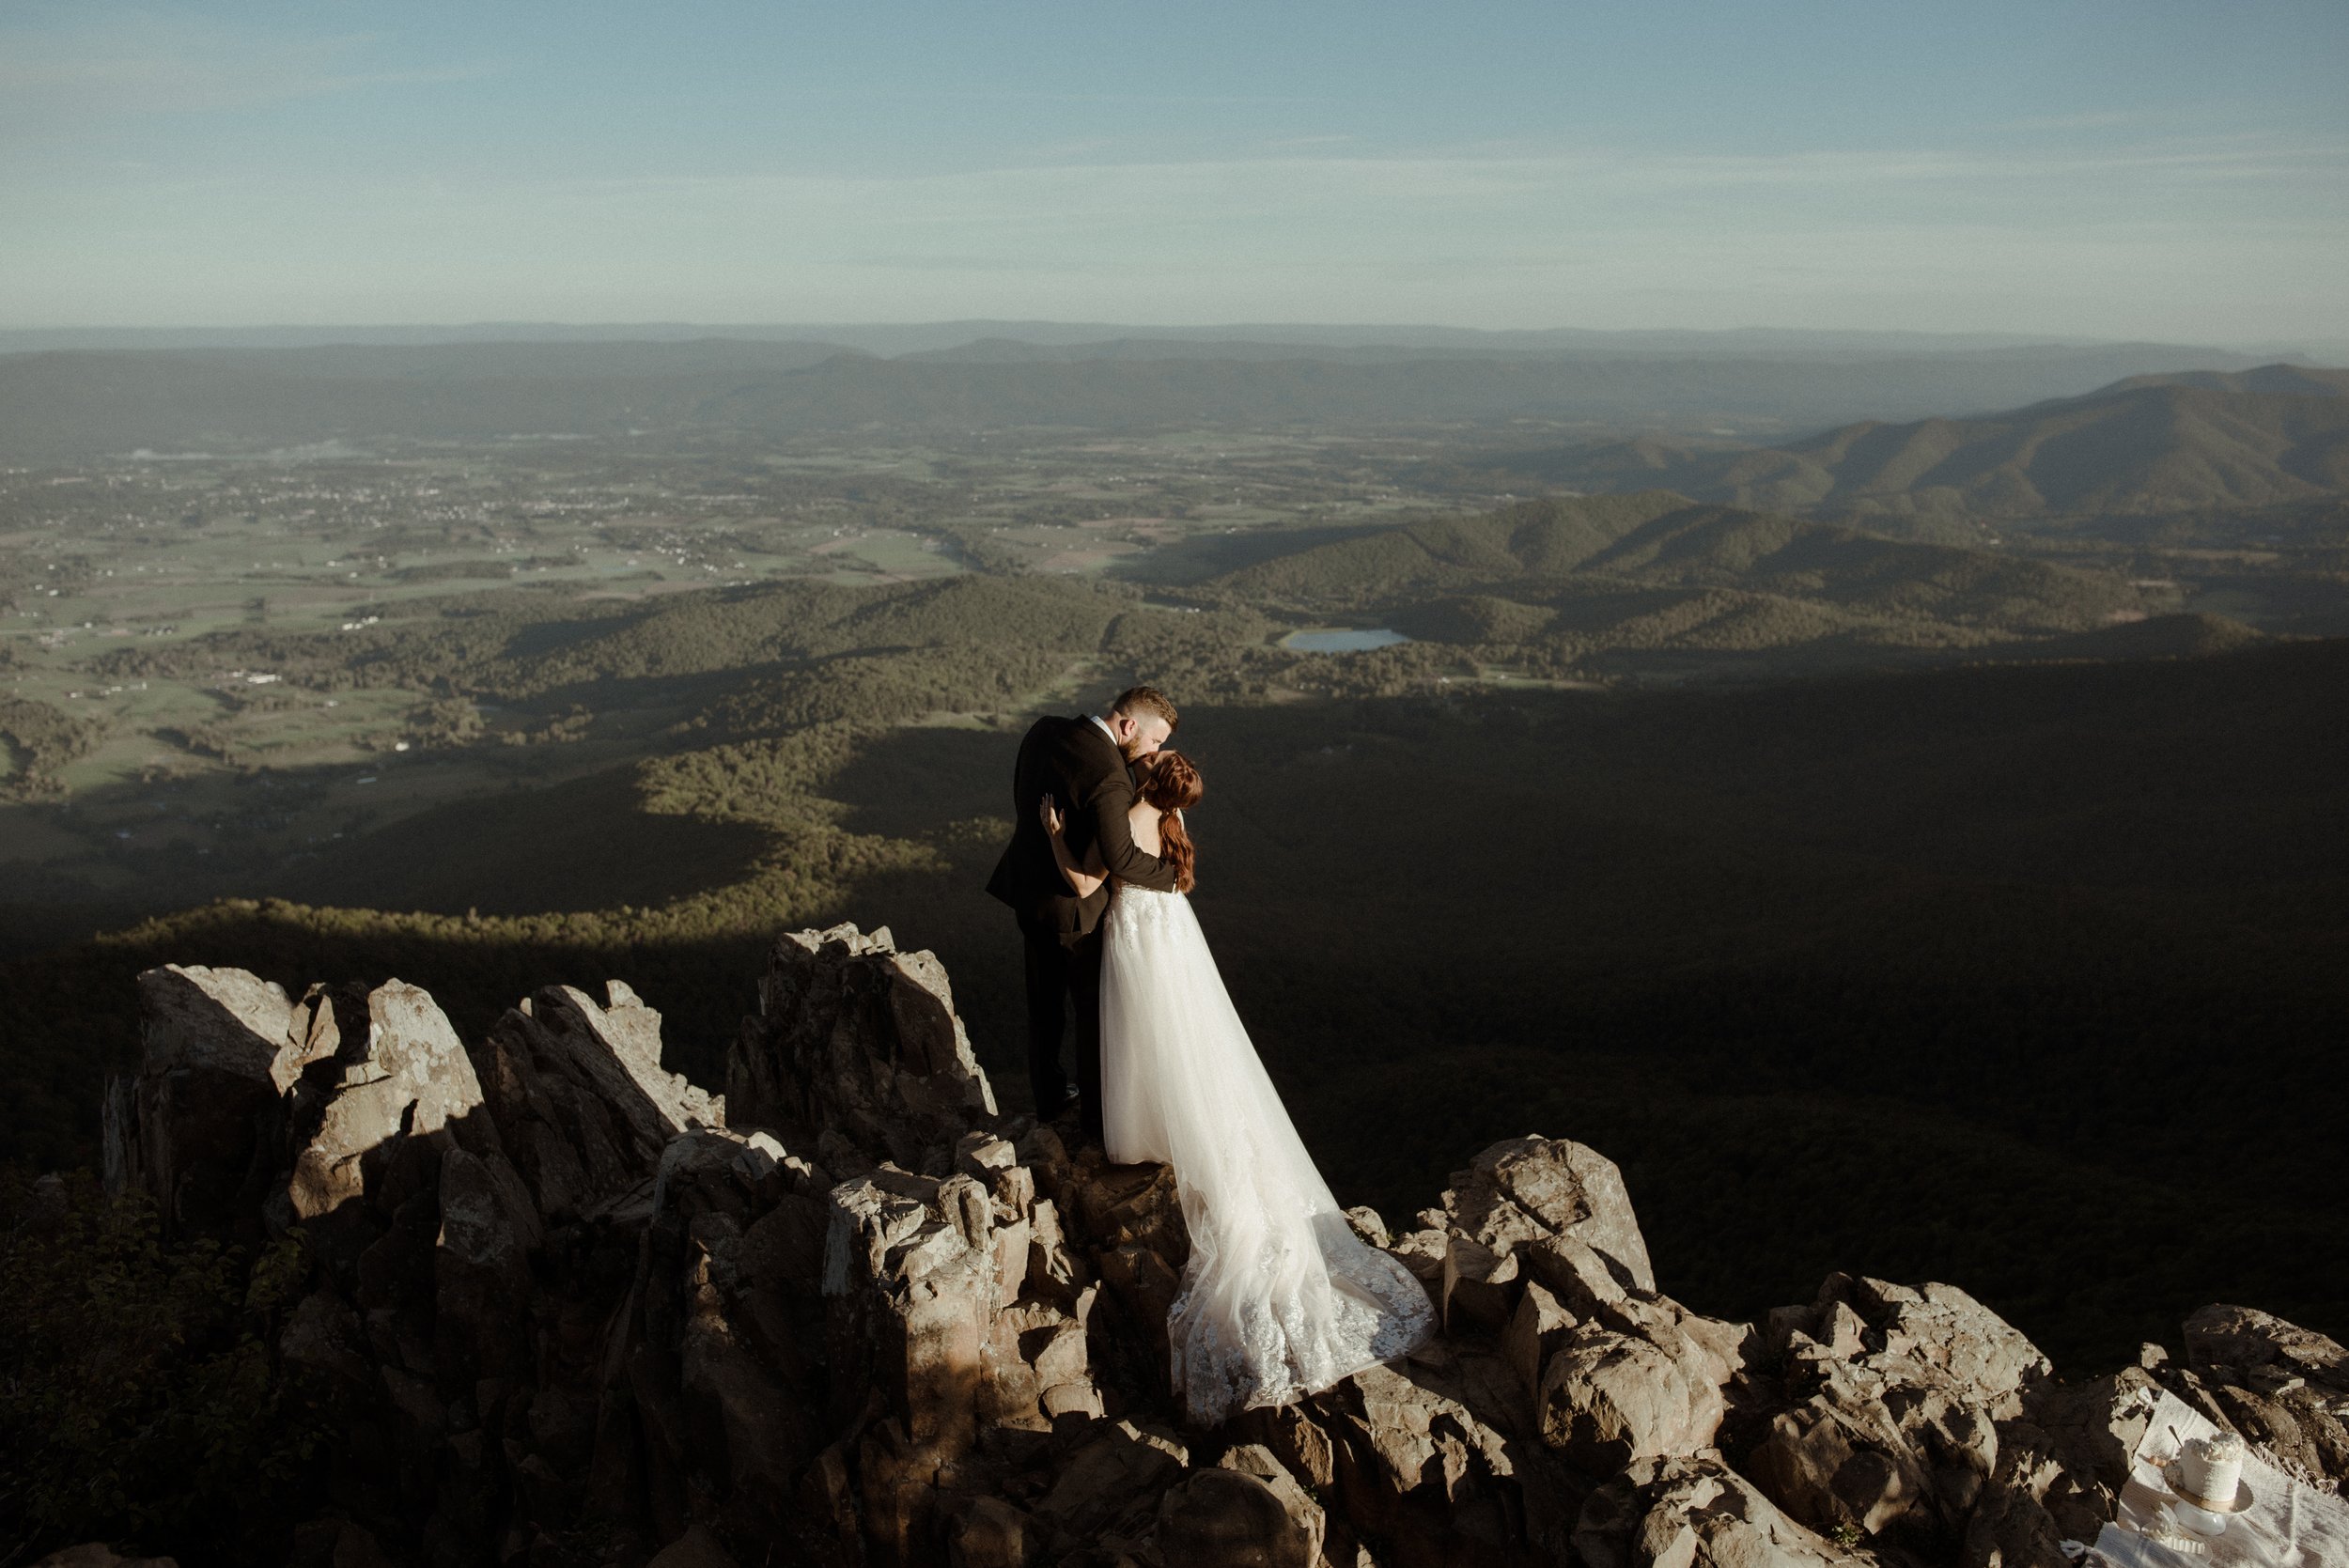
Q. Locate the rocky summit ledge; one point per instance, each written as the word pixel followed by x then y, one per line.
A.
pixel 571 1309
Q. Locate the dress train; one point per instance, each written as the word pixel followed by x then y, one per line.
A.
pixel 1280 1298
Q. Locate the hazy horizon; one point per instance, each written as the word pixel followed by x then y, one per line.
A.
pixel 2102 171
pixel 893 338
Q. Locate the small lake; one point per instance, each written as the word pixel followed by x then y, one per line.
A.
pixel 1343 639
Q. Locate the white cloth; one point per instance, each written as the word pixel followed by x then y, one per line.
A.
pixel 2288 1524
pixel 1103 725
pixel 1281 1298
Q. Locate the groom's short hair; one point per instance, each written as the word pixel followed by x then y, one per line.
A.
pixel 1136 701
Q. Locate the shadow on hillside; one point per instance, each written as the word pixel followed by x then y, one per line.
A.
pixel 1898 973
pixel 1197 557
pixel 1903 975
pixel 913 779
pixel 580 843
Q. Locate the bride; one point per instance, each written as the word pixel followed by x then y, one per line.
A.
pixel 1281 1298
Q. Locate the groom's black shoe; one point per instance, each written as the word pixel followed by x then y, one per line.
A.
pixel 1067 1110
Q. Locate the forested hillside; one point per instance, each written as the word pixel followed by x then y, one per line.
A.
pixel 1867 889
pixel 2153 444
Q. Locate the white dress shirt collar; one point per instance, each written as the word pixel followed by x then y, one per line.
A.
pixel 1103 725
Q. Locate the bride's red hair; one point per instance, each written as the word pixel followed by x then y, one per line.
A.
pixel 1173 783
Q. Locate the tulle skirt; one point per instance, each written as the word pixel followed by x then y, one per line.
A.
pixel 1281 1298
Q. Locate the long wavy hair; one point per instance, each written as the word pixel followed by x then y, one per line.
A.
pixel 1172 784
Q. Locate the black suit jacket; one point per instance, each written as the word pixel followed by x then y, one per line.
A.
pixel 1076 763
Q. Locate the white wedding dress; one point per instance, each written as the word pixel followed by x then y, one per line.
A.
pixel 1281 1298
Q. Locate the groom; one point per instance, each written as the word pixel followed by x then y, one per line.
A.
pixel 1081 763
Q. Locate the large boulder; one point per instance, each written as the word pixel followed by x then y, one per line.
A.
pixel 1234 1519
pixel 857 1039
pixel 1619 1374
pixel 2066 1460
pixel 2282 1387
pixel 1525 1208
pixel 1894 1401
pixel 1532 1190
pixel 195 1124
pixel 375 1072
pixel 1695 1513
pixel 582 1101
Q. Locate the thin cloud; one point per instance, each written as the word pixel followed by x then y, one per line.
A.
pixel 2097 120
pixel 170 65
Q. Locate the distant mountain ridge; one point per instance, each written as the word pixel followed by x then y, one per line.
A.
pixel 913 337
pixel 68 407
pixel 2146 443
pixel 1656 538
pixel 1617 582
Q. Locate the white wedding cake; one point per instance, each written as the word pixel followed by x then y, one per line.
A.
pixel 2209 1470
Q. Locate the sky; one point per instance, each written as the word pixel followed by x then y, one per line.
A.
pixel 2128 170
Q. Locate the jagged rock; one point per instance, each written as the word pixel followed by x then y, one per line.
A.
pixel 2282 1387
pixel 989 1533
pixel 481 1268
pixel 1895 1399
pixel 97 1554
pixel 195 1125
pixel 1307 1518
pixel 1131 1206
pixel 912 1270
pixel 1113 1483
pixel 855 1037
pixel 377 1071
pixel 566 1309
pixel 1641 1390
pixel 1232 1518
pixel 1537 1331
pixel 2012 1524
pixel 1367 1224
pixel 1695 1513
pixel 1617 1373
pixel 581 1099
pixel 2264 1349
pixel 1436 1458
pixel 2061 1470
pixel 1528 1188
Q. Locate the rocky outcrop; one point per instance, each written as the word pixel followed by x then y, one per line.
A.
pixel 582 1096
pixel 195 1126
pixel 2280 1386
pixel 1895 1396
pixel 1695 1513
pixel 569 1309
pixel 856 1040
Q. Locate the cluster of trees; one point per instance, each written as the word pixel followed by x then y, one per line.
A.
pixel 889 688
pixel 41 737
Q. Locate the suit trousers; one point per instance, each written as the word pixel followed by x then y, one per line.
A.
pixel 1064 968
